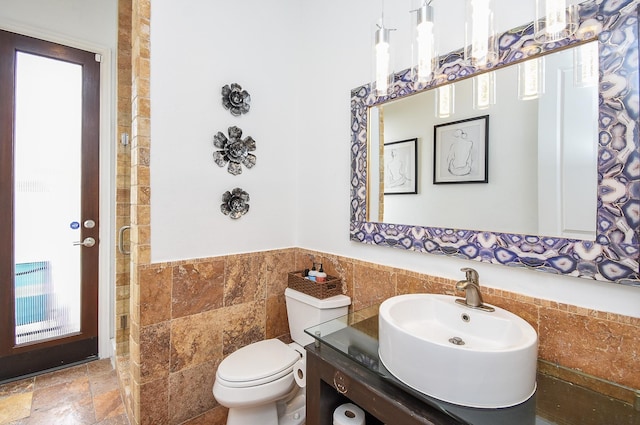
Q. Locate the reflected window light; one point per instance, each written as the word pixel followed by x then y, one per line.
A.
pixel 484 90
pixel 481 41
pixel 585 65
pixel 554 20
pixel 445 101
pixel 531 79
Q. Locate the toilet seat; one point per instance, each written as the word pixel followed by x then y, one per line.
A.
pixel 257 364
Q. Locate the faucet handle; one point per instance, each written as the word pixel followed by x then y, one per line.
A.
pixel 471 275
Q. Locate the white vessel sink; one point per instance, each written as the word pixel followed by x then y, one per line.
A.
pixel 458 354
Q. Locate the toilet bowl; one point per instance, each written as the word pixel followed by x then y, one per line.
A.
pixel 257 381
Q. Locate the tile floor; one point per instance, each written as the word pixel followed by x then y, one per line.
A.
pixel 87 394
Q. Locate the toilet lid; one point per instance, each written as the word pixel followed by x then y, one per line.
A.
pixel 258 361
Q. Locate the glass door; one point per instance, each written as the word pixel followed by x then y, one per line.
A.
pixel 48 222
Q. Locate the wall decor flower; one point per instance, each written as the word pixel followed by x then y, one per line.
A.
pixel 235 99
pixel 234 150
pixel 234 203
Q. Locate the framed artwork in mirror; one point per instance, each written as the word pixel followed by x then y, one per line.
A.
pixel 460 151
pixel 401 167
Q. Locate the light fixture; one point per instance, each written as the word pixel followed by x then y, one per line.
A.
pixel 531 78
pixel 445 101
pixel 423 43
pixel 480 38
pixel 585 65
pixel 554 20
pixel 383 68
pixel 484 90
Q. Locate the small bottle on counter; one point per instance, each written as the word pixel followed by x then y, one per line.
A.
pixel 321 276
pixel 313 273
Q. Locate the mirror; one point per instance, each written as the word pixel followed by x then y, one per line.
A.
pixel 541 144
pixel 612 254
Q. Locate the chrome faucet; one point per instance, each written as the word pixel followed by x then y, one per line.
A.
pixel 471 288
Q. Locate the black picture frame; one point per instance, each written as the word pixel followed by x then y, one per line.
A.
pixel 401 167
pixel 461 151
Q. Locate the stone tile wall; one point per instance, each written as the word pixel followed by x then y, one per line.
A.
pixel 194 313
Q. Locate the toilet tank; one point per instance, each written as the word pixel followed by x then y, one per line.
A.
pixel 305 311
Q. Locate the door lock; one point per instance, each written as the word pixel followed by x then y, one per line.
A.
pixel 88 242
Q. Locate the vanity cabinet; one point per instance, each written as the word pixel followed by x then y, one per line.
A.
pixel 343 366
pixel 333 379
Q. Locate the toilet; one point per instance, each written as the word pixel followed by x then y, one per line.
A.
pixel 257 381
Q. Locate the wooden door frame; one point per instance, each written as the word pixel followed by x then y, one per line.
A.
pixel 106 283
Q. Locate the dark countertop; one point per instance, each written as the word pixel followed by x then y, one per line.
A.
pixel 563 396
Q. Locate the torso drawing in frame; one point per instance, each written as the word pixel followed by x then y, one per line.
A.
pixel 459 160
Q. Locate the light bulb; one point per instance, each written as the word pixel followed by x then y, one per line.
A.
pixel 479 32
pixel 424 43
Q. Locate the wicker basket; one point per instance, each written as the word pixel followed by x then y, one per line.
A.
pixel 332 286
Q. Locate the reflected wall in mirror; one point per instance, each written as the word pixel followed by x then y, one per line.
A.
pixel 542 156
pixel 612 254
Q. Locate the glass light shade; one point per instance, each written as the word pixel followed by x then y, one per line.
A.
pixel 445 101
pixel 383 69
pixel 481 40
pixel 554 20
pixel 423 44
pixel 531 79
pixel 484 90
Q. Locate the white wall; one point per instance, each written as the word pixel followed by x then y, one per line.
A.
pixel 90 25
pixel 197 47
pixel 299 59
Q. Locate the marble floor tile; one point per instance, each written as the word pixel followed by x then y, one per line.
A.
pixel 87 394
pixel 15 407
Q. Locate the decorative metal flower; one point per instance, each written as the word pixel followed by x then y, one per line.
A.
pixel 235 99
pixel 234 203
pixel 235 151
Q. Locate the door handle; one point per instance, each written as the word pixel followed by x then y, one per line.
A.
pixel 88 242
pixel 121 240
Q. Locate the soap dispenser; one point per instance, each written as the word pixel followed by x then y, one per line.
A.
pixel 321 276
pixel 313 273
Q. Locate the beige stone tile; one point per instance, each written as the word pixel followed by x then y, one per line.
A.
pixel 196 339
pixel 16 387
pixel 190 392
pixel 598 347
pixel 277 323
pixel 197 287
pixel 15 407
pixel 372 286
pixel 278 265
pixel 154 352
pixel 155 295
pixel 115 420
pixel 245 279
pixel 103 383
pixel 61 376
pixel 215 416
pixel 99 367
pixel 243 325
pixel 154 403
pixel 108 405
